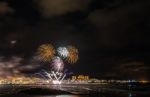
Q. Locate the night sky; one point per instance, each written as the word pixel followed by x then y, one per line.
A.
pixel 112 36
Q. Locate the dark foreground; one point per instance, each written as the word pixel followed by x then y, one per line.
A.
pixel 74 91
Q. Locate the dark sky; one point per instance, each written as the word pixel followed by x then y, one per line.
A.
pixel 112 36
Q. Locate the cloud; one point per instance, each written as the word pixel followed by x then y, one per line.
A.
pixel 130 69
pixel 133 67
pixel 15 66
pixel 121 26
pixel 8 66
pixel 5 8
pixel 50 8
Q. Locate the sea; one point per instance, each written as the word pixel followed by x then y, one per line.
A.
pixel 74 91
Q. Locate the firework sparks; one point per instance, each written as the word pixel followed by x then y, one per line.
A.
pixel 63 52
pixel 46 52
pixel 73 54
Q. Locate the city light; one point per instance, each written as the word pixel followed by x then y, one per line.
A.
pixel 56 82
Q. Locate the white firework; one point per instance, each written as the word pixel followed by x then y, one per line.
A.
pixel 63 52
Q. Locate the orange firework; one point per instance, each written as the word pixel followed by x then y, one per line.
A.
pixel 73 54
pixel 46 52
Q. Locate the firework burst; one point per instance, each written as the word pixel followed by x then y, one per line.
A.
pixel 46 52
pixel 72 55
pixel 63 52
pixel 57 64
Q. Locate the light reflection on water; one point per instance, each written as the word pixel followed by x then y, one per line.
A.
pixel 107 95
pixel 67 96
pixel 62 96
pixel 129 94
